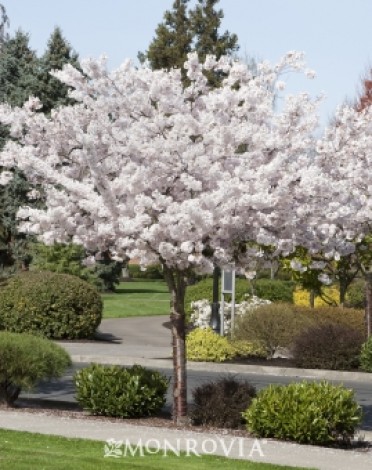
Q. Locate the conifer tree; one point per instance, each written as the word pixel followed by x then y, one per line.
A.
pixel 18 80
pixel 58 53
pixel 173 39
pixel 23 74
pixel 183 31
pixel 205 22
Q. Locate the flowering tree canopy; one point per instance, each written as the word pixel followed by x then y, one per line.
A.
pixel 148 168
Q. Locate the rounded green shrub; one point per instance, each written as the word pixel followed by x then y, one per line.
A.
pixel 307 412
pixel 221 403
pixel 25 360
pixel 120 392
pixel 203 344
pixel 356 294
pixel 53 305
pixel 366 356
pixel 274 290
pixel 273 326
pixel 328 346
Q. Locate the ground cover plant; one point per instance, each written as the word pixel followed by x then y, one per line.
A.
pixel 25 451
pixel 137 298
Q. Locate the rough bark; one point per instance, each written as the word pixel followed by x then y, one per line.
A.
pixel 368 312
pixel 312 298
pixel 177 287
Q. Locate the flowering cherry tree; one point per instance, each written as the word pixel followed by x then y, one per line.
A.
pixel 340 209
pixel 147 168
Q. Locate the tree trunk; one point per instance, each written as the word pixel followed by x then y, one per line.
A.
pixel 177 287
pixel 215 322
pixel 343 289
pixel 368 314
pixel 312 298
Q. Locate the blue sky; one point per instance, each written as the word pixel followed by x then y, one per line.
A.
pixel 334 34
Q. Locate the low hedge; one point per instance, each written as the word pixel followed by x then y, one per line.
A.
pixel 58 306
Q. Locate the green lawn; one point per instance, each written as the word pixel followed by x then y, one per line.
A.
pixel 137 298
pixel 26 451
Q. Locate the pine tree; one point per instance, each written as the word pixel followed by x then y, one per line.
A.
pixel 206 21
pixel 183 31
pixel 173 39
pixel 58 53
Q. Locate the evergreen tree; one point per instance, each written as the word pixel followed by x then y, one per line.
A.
pixel 183 31
pixel 58 53
pixel 4 23
pixel 23 74
pixel 18 70
pixel 205 23
pixel 18 80
pixel 173 39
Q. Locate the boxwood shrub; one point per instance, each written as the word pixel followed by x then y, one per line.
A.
pixel 58 306
pixel 120 392
pixel 24 360
pixel 306 412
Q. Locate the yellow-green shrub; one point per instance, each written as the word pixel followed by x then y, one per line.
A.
pixel 301 297
pixel 244 348
pixel 202 344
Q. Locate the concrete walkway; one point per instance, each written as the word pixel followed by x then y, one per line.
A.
pixel 147 341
